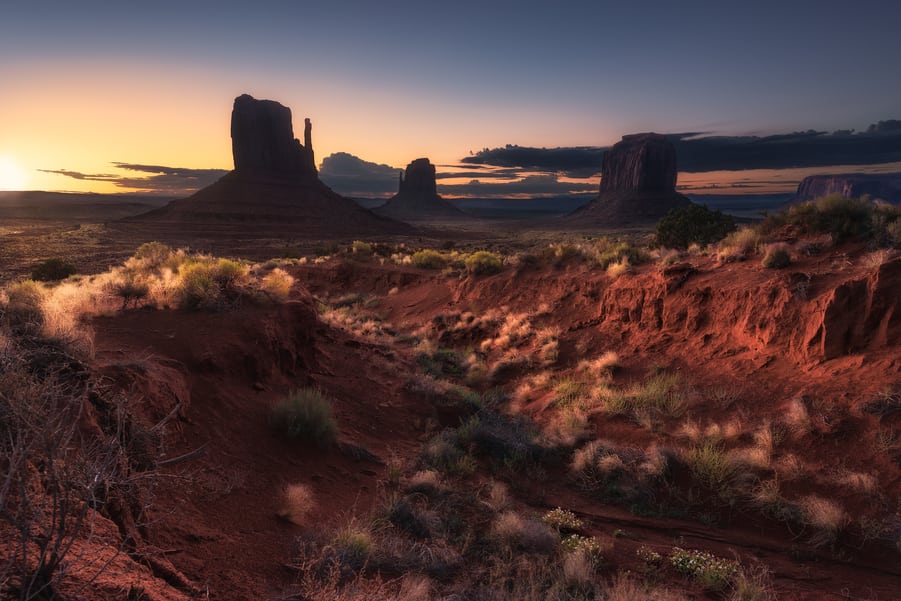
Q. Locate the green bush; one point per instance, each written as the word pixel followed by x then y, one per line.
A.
pixel 206 284
pixel 52 270
pixel 428 259
pixel 306 414
pixel 694 224
pixel 483 262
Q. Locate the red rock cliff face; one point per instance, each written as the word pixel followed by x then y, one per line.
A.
pixel 640 163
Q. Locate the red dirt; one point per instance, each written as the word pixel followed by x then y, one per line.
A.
pixel 826 329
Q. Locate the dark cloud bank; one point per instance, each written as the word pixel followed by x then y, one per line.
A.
pixel 880 143
pixel 171 181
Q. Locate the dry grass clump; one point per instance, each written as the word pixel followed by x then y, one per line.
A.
pixel 825 515
pixel 776 256
pixel 626 587
pixel 619 473
pixel 859 482
pixel 603 366
pixel 277 284
pixel 797 417
pixel 426 482
pixel 711 466
pixel 617 268
pixel 306 414
pixel 523 534
pixel 740 244
pixel 660 396
pixel 298 503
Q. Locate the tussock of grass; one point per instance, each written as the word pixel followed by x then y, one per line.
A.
pixel 298 503
pixel 306 414
pixel 523 534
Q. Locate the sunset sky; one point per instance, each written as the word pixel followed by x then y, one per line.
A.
pixel 85 85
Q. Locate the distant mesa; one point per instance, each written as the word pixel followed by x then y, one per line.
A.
pixel 884 186
pixel 273 189
pixel 417 196
pixel 638 184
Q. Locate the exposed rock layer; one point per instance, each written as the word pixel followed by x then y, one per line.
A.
pixel 638 183
pixel 886 186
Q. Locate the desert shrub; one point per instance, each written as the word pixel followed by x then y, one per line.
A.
pixel 483 263
pixel 893 233
pixel 277 284
pixel 711 572
pixel 130 288
pixel 360 248
pixel 776 257
pixel 428 259
pixel 842 218
pixel 298 503
pixel 562 253
pixel 229 275
pixel 739 244
pixel 52 270
pixel 710 465
pixel 826 516
pixel 563 520
pixel 614 270
pixel 524 534
pixel 198 287
pixel 609 252
pixel 24 302
pixel 591 546
pixel 353 544
pixel 153 255
pixel 306 414
pixel 618 473
pixel 694 224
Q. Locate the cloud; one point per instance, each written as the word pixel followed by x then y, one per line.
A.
pixel 163 180
pixel 91 177
pixel 352 176
pixel 532 185
pixel 698 152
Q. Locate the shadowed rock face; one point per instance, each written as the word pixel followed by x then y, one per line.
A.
pixel 417 196
pixel 638 183
pixel 886 186
pixel 640 163
pixel 263 139
pixel 419 179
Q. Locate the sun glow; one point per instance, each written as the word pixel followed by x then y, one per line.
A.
pixel 12 176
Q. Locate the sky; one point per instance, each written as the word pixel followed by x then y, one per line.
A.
pixel 89 86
